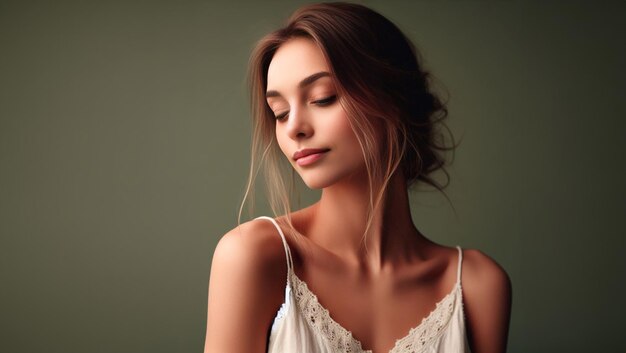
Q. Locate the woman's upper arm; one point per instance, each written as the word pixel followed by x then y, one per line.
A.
pixel 246 288
pixel 487 301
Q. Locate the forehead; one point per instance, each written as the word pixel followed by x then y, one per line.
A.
pixel 294 60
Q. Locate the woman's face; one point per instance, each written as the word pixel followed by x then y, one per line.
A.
pixel 301 93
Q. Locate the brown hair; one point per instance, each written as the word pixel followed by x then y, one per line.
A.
pixel 391 107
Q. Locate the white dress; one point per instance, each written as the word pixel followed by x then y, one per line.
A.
pixel 303 325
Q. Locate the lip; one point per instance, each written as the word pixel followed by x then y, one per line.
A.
pixel 308 151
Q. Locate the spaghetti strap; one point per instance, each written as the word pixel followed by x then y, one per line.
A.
pixel 458 271
pixel 285 245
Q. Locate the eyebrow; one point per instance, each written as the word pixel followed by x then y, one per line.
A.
pixel 305 82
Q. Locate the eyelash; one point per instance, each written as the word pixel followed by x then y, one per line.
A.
pixel 325 101
pixel 321 102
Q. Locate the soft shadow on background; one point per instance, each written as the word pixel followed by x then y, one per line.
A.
pixel 124 148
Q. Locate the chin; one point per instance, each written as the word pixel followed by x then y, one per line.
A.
pixel 317 181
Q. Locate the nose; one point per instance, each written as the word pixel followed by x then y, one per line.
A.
pixel 298 124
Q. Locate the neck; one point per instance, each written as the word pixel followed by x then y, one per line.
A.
pixel 340 219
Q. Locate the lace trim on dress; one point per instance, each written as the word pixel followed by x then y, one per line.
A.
pixel 342 340
pixel 319 318
pixel 430 328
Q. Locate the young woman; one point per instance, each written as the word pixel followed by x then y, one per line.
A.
pixel 339 97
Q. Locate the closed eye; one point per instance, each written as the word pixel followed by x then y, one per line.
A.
pixel 281 116
pixel 325 101
pixel 320 102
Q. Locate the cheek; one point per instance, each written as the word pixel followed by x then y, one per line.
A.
pixel 347 135
pixel 280 139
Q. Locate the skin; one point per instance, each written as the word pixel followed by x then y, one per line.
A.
pixel 400 272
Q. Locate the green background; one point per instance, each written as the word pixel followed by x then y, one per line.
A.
pixel 124 149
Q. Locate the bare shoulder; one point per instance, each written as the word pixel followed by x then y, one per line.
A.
pixel 487 293
pixel 255 244
pixel 246 287
pixel 253 254
pixel 481 271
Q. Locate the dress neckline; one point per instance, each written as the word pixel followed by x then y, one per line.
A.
pixel 428 329
pixel 419 337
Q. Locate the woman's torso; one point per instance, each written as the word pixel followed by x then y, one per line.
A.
pixel 321 303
